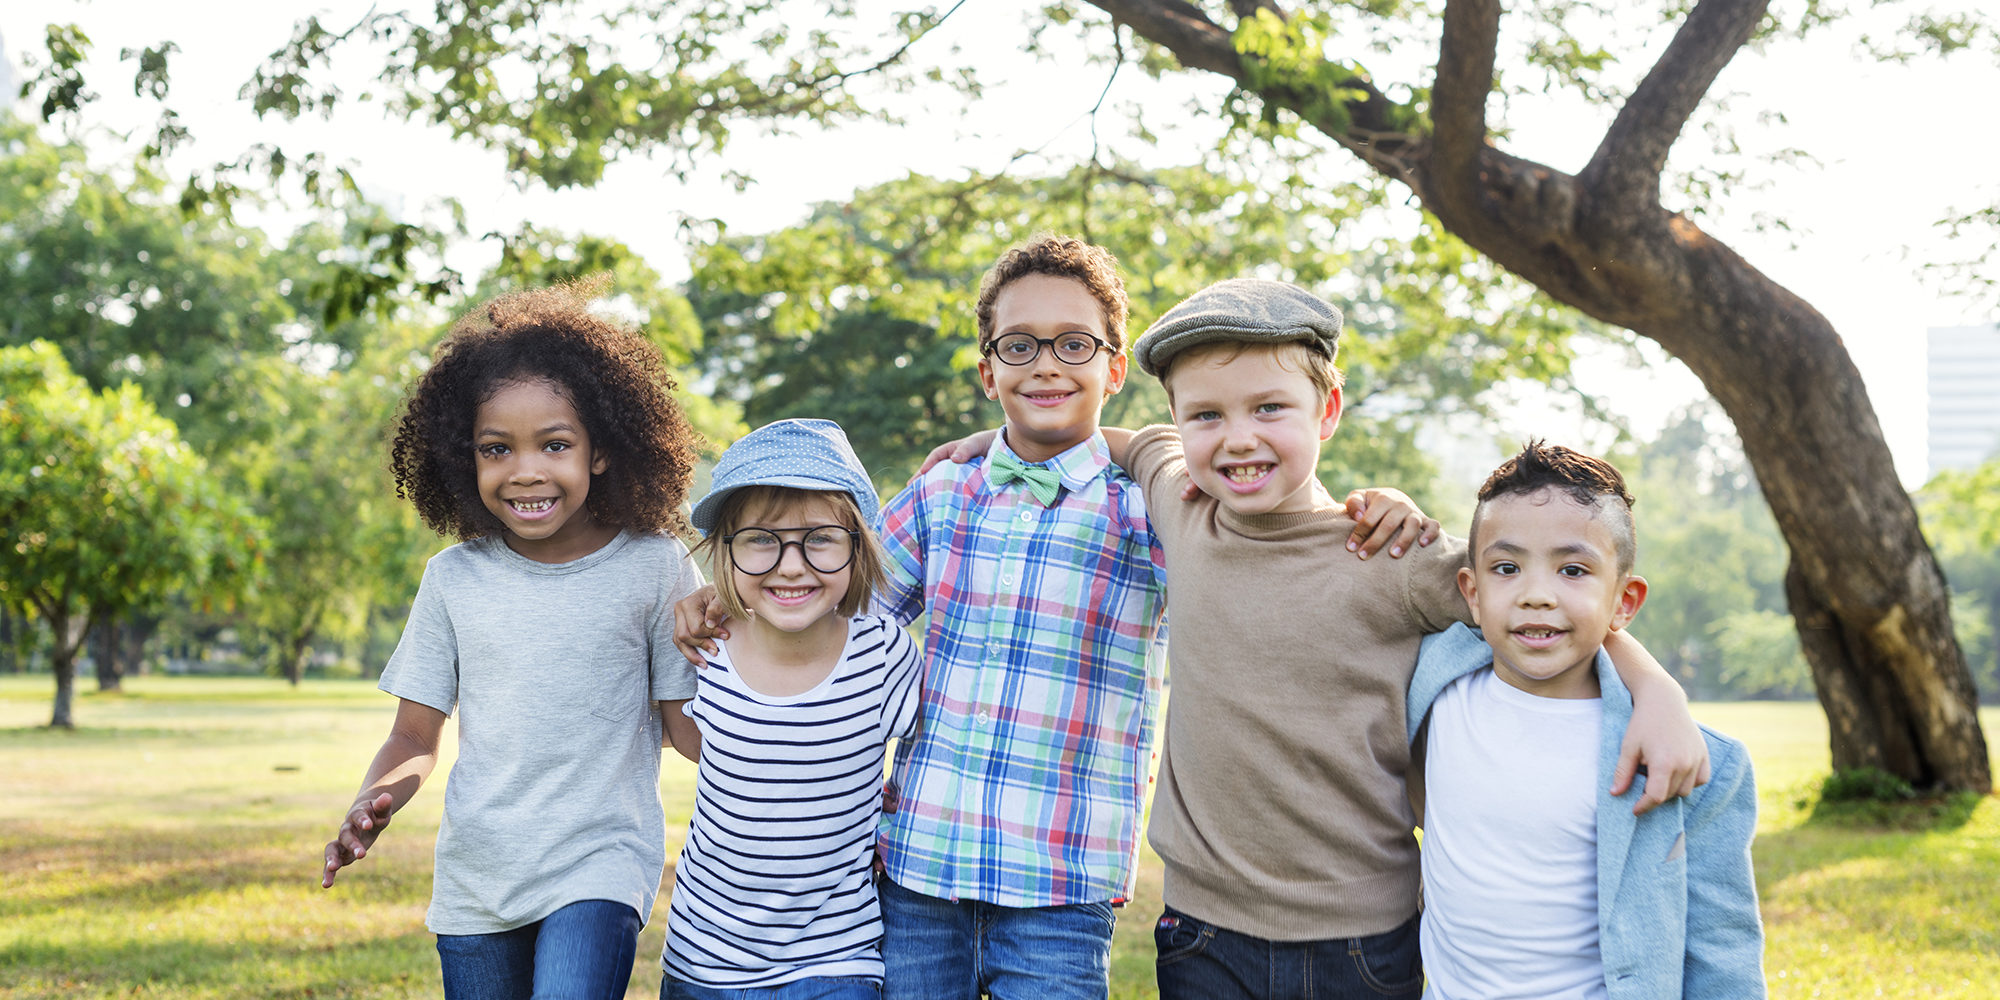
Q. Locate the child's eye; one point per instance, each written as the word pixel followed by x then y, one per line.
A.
pixel 1269 407
pixel 492 451
pixel 1205 415
pixel 1573 570
pixel 1505 569
pixel 556 446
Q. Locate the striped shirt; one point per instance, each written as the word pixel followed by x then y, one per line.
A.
pixel 1024 784
pixel 775 881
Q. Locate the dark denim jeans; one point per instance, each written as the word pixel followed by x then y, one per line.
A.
pixel 580 952
pixel 938 949
pixel 813 988
pixel 1200 961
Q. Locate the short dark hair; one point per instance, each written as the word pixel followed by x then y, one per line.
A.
pixel 1061 257
pixel 1590 482
pixel 616 379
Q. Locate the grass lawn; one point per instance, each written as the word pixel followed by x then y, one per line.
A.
pixel 170 847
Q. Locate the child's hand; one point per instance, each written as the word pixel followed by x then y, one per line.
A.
pixel 363 823
pixel 698 622
pixel 958 452
pixel 1384 516
pixel 1663 737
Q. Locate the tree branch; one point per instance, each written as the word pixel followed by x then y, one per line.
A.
pixel 1623 176
pixel 1458 100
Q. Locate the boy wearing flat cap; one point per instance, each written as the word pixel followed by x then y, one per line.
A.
pixel 1281 811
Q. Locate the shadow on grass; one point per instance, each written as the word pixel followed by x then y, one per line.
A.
pixel 1916 875
pixel 399 965
pixel 138 871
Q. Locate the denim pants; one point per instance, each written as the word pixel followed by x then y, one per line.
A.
pixel 937 949
pixel 580 952
pixel 1200 961
pixel 817 988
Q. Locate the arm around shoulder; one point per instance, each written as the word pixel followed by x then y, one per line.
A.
pixel 1725 935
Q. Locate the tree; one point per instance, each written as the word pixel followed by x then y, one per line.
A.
pixel 853 307
pixel 562 88
pixel 1961 512
pixel 102 509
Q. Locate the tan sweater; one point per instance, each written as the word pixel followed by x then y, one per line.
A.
pixel 1281 810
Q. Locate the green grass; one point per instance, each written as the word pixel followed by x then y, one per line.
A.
pixel 170 847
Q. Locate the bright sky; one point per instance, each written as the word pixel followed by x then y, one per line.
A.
pixel 1898 148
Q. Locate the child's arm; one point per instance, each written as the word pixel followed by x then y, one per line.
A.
pixel 1662 734
pixel 698 622
pixel 1382 516
pixel 679 731
pixel 400 767
pixel 1725 938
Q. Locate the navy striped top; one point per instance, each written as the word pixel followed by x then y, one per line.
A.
pixel 775 880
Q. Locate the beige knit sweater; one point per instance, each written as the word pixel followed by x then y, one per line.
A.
pixel 1281 810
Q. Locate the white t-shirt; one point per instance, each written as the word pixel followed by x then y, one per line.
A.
pixel 775 882
pixel 552 670
pixel 1510 845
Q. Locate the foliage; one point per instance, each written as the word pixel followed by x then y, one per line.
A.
pixel 1961 517
pixel 1715 612
pixel 871 299
pixel 103 510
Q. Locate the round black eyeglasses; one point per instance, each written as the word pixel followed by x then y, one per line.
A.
pixel 1022 349
pixel 827 548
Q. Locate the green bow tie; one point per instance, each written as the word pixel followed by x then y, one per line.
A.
pixel 1042 481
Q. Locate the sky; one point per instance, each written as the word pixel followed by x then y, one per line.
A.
pixel 1895 149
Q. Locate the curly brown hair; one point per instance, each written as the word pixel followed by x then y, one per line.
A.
pixel 1591 483
pixel 615 378
pixel 1063 257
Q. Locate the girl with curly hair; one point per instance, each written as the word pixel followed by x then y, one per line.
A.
pixel 546 439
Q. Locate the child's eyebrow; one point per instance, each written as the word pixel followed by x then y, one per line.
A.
pixel 560 427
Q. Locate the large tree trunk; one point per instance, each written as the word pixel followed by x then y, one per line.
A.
pixel 1867 595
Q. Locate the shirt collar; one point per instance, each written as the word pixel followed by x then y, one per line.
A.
pixel 1082 463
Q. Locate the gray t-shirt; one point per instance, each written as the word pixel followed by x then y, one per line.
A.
pixel 553 670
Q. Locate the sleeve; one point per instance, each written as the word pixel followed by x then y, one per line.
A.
pixel 424 667
pixel 1433 599
pixel 673 675
pixel 905 537
pixel 1156 463
pixel 1725 937
pixel 902 700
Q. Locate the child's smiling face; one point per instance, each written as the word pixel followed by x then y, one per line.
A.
pixel 534 461
pixel 796 594
pixel 1545 589
pixel 1251 426
pixel 1051 406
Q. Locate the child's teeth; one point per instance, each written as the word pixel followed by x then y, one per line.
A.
pixel 1246 474
pixel 533 506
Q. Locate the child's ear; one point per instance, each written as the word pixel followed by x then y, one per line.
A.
pixel 1630 597
pixel 600 460
pixel 1468 587
pixel 986 378
pixel 1119 366
pixel 1329 417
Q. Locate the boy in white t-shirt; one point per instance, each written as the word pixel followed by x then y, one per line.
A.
pixel 1537 882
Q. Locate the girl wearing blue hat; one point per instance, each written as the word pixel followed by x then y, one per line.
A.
pixel 774 891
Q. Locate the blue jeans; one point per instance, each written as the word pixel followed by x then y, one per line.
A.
pixel 1200 961
pixel 580 952
pixel 816 988
pixel 936 949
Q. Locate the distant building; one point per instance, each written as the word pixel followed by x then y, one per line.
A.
pixel 9 80
pixel 1963 375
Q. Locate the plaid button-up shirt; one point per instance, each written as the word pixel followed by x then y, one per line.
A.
pixel 1026 779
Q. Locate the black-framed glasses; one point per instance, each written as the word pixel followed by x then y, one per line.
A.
pixel 1023 349
pixel 827 548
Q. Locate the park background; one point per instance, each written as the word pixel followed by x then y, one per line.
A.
pixel 266 309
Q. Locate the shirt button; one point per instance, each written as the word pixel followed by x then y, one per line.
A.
pixel 985 719
pixel 1027 515
pixel 1007 581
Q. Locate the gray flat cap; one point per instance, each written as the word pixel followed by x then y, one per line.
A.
pixel 1249 310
